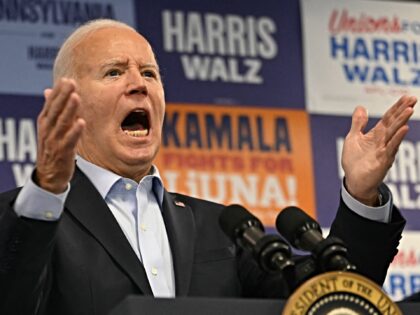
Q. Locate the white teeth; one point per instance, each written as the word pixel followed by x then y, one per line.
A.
pixel 137 133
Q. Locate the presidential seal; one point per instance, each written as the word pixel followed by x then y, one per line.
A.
pixel 340 293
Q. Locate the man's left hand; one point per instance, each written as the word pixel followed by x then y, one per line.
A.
pixel 368 156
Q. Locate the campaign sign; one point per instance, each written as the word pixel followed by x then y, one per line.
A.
pixel 227 52
pixel 359 52
pixel 260 158
pixel 403 179
pixel 31 33
pixel 18 141
pixel 403 278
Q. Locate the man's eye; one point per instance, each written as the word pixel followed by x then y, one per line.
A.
pixel 149 74
pixel 113 73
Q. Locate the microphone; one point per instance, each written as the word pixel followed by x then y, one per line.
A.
pixel 304 233
pixel 246 231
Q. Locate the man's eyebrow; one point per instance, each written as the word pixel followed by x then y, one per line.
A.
pixel 150 65
pixel 121 62
pixel 112 63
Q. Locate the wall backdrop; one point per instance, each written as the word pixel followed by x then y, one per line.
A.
pixel 259 97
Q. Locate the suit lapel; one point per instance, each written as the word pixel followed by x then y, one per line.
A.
pixel 86 204
pixel 180 227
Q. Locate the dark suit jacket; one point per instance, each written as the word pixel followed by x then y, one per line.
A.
pixel 83 263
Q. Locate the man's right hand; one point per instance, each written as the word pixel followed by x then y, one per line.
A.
pixel 59 130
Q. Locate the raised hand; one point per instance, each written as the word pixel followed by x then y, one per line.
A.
pixel 368 156
pixel 59 129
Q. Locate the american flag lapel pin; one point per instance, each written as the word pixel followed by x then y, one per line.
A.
pixel 179 204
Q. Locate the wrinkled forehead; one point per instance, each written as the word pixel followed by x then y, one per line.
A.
pixel 110 43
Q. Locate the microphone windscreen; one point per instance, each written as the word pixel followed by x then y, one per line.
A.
pixel 233 217
pixel 290 221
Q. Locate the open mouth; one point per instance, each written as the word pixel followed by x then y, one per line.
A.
pixel 136 124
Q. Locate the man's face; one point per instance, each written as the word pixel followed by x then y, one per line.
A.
pixel 122 101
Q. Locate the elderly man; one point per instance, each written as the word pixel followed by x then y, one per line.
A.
pixel 79 237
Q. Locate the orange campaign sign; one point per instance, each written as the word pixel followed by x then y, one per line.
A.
pixel 259 158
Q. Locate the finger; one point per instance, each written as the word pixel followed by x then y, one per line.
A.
pixel 359 120
pixel 67 117
pixel 43 113
pixel 397 123
pixel 394 118
pixel 394 108
pixel 73 135
pixel 412 101
pixel 398 108
pixel 56 99
pixel 45 123
pixel 51 94
pixel 62 151
pixel 47 93
pixel 395 141
pixel 59 101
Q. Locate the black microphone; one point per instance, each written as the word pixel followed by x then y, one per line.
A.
pixel 304 233
pixel 245 230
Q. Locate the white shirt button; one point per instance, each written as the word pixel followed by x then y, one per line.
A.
pixel 143 227
pixel 128 186
pixel 154 271
pixel 48 214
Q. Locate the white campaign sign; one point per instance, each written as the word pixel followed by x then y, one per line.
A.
pixel 359 53
pixel 403 278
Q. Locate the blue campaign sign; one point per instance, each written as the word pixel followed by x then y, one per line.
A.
pixel 227 52
pixel 17 138
pixel 326 131
pixel 403 178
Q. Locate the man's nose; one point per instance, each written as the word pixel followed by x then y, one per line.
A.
pixel 136 83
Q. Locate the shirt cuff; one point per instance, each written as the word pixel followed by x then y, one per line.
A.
pixel 379 214
pixel 36 203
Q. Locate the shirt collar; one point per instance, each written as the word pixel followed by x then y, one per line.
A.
pixel 103 179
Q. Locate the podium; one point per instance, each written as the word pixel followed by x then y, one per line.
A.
pixel 145 305
pixel 139 305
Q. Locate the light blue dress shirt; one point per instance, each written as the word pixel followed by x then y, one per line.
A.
pixel 380 214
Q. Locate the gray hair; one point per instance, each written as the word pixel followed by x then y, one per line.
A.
pixel 64 62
